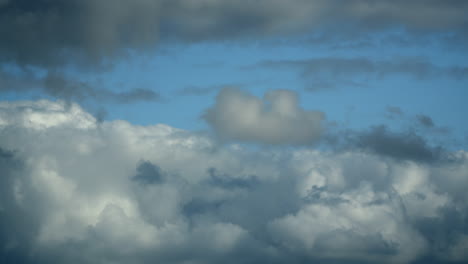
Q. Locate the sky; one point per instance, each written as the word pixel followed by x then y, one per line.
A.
pixel 210 131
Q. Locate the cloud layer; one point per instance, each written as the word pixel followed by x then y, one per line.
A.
pixel 77 191
pixel 332 72
pixel 79 31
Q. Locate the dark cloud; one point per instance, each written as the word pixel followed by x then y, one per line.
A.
pixel 48 33
pixel 19 219
pixel 394 112
pixel 89 34
pixel 59 86
pixel 425 121
pixel 199 91
pixel 402 146
pixel 332 72
pixel 229 182
pixel 74 31
pixel 148 173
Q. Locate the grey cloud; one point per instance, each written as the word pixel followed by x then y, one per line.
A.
pixel 59 86
pixel 19 219
pixel 199 90
pixel 275 119
pixel 408 144
pixel 425 121
pixel 79 31
pixel 74 191
pixel 330 72
pixel 402 146
pixel 148 173
pixel 136 95
pixel 394 112
pixel 48 33
pixel 228 182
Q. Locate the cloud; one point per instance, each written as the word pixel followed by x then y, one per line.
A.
pixel 425 121
pixel 74 31
pixel 89 34
pixel 275 119
pixel 90 31
pixel 394 112
pixel 203 90
pixel 332 72
pixel 75 190
pixel 60 86
pixel 401 146
pixel 148 173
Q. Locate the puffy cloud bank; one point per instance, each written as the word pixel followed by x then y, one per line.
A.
pixel 73 190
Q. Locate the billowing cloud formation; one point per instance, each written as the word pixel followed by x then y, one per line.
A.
pixel 76 191
pixel 90 30
pixel 277 119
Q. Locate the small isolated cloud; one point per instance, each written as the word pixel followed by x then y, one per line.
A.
pixel 425 121
pixel 394 112
pixel 277 118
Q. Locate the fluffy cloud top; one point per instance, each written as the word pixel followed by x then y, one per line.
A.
pixel 76 191
pixel 275 119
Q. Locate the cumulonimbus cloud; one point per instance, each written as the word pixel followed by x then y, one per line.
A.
pixel 76 190
pixel 276 119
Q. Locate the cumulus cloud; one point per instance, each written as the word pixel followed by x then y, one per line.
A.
pixel 275 119
pixel 75 190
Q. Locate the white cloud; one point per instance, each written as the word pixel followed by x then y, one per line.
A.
pixel 72 182
pixel 277 119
